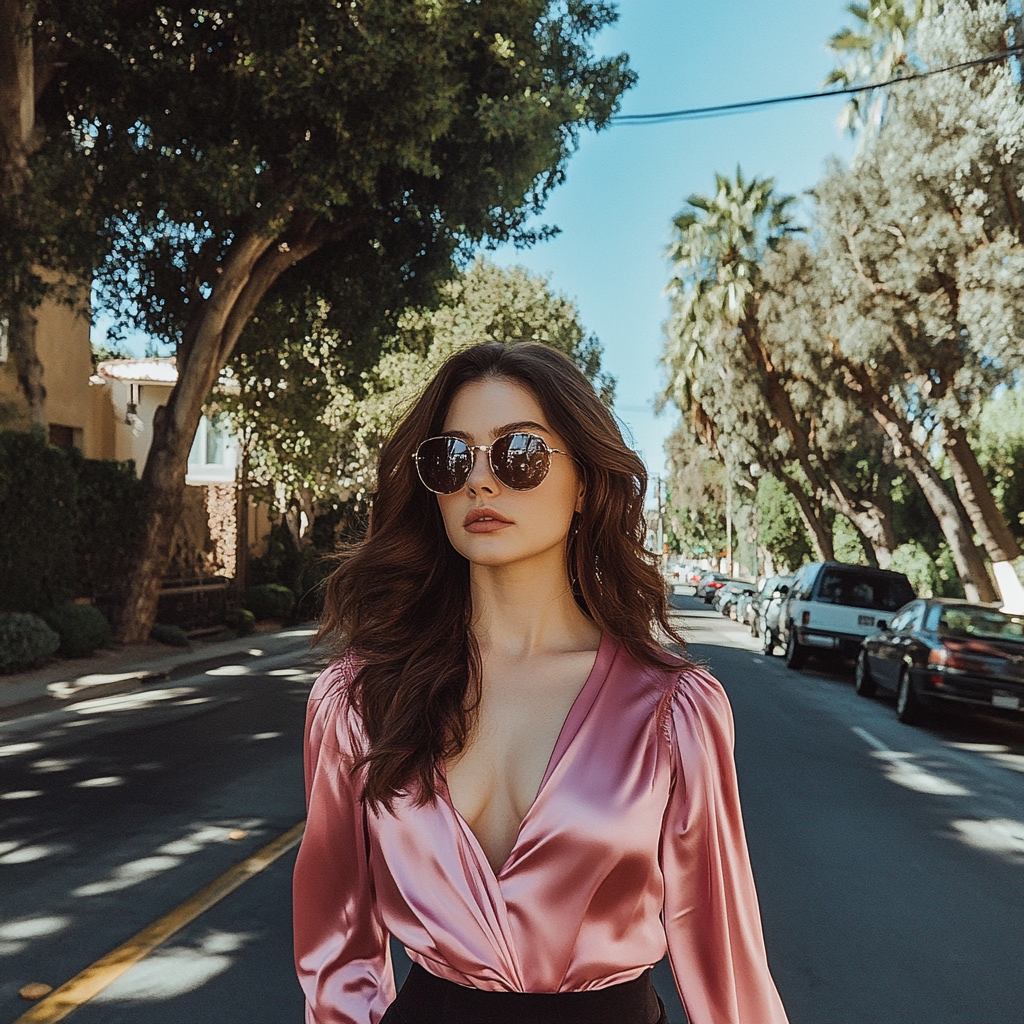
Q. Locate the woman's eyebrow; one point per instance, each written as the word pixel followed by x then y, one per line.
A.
pixel 509 428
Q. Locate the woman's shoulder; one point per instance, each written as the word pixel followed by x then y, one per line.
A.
pixel 332 708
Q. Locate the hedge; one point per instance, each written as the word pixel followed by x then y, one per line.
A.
pixel 71 526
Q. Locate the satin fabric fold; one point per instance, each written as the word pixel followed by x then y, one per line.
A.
pixel 633 845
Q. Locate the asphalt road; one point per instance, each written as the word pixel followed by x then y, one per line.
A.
pixel 889 860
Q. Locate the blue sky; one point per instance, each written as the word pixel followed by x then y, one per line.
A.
pixel 626 184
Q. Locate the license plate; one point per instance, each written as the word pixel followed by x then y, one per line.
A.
pixel 1006 700
pixel 865 620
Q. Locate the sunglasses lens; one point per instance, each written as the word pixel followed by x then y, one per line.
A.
pixel 520 461
pixel 444 464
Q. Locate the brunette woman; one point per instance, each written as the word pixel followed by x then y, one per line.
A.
pixel 504 768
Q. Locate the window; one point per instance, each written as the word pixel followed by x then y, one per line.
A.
pixel 63 437
pixel 216 442
pixel 859 589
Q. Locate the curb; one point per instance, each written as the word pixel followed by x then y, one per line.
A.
pixel 60 694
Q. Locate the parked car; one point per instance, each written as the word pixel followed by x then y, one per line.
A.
pixel 708 584
pixel 769 614
pixel 832 606
pixel 742 607
pixel 945 652
pixel 758 606
pixel 728 595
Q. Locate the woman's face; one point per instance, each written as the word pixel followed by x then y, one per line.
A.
pixel 523 525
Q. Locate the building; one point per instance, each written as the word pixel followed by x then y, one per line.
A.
pixel 107 413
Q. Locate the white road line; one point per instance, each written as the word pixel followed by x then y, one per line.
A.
pixel 871 741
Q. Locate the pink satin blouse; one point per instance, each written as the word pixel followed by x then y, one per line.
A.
pixel 634 843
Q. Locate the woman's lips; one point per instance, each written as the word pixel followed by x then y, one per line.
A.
pixel 485 520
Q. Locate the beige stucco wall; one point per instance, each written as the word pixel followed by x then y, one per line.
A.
pixel 62 344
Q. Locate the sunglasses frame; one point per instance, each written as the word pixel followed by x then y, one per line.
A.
pixel 474 448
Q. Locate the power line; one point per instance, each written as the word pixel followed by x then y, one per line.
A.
pixel 724 109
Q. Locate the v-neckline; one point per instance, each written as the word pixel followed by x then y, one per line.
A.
pixel 578 711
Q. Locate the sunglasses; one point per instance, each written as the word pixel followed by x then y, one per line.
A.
pixel 518 460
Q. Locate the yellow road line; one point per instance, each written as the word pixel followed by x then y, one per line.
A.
pixel 95 978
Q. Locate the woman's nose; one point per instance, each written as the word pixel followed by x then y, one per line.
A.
pixel 480 477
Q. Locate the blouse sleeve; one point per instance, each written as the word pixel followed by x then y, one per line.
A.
pixel 712 921
pixel 341 946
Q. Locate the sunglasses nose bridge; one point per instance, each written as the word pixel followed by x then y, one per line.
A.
pixel 480 467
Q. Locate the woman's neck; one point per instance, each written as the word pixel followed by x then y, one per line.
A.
pixel 527 608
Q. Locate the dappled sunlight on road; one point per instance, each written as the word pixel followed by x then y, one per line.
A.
pixel 167 973
pixel 904 769
pixel 169 855
pixel 16 935
pixel 29 853
pixel 1003 836
pixel 131 701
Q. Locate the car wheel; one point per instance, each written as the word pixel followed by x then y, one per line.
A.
pixel 863 683
pixel 796 654
pixel 909 709
pixel 769 642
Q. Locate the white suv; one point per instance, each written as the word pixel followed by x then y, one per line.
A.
pixel 831 607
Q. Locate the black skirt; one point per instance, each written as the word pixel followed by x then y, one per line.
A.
pixel 427 999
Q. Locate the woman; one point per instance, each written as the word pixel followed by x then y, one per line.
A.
pixel 504 769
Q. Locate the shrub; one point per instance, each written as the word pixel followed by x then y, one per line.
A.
pixel 81 628
pixel 25 641
pixel 269 601
pixel 173 636
pixel 243 621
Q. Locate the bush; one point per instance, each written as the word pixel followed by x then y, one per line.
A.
pixel 243 622
pixel 173 636
pixel 25 642
pixel 269 601
pixel 81 628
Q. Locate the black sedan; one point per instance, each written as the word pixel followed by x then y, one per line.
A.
pixel 943 652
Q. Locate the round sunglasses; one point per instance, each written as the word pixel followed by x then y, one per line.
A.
pixel 518 460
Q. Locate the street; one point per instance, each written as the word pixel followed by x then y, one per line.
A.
pixel 888 859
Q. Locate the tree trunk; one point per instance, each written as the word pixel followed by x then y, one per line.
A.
pixel 869 517
pixel 953 520
pixel 871 514
pixel 17 94
pixel 814 521
pixel 955 527
pixel 977 499
pixel 252 265
pixel 17 142
pixel 21 335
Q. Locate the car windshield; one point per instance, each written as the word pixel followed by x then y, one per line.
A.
pixel 864 590
pixel 984 623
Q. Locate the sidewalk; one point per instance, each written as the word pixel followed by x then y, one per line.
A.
pixel 130 666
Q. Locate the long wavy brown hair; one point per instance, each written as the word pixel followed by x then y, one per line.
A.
pixel 401 598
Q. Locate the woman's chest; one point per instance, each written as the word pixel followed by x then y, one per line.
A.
pixel 600 803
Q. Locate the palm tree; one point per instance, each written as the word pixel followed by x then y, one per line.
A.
pixel 877 50
pixel 718 242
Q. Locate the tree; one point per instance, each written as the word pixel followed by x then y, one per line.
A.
pixel 780 529
pixel 877 50
pixel 722 370
pixel 305 149
pixel 311 431
pixel 925 244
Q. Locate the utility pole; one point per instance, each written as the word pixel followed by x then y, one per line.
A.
pixel 728 519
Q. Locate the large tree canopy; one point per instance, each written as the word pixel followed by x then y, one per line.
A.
pixel 336 150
